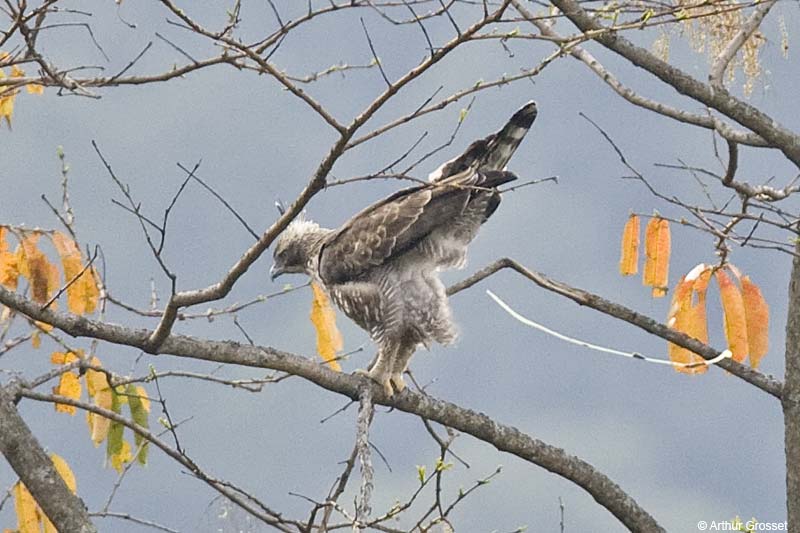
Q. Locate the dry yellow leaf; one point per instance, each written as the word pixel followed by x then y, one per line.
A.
pixel 44 326
pixel 329 340
pixel 689 318
pixel 64 471
pixel 676 319
pixel 699 329
pixel 48 525
pixel 96 381
pixel 629 254
pixel 82 293
pixel 757 314
pixel 9 94
pixel 9 265
pixel 26 509
pixel 7 105
pixel 68 386
pixel 734 316
pixel 98 425
pixel 35 267
pixel 657 252
pixel 124 456
pixel 7 97
pixel 66 474
pixel 9 270
pixel 61 358
pixel 142 394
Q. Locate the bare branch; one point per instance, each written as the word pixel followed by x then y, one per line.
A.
pixel 262 63
pixel 35 469
pixel 745 114
pixel 130 65
pixel 572 340
pixel 721 62
pixel 761 192
pixel 223 487
pixel 504 438
pixel 766 383
pixel 193 175
pixel 791 398
pixel 375 57
pixel 135 520
pixel 365 412
pixel 705 121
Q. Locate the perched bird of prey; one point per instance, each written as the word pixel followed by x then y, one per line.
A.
pixel 381 267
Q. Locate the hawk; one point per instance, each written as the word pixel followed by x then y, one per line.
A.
pixel 381 267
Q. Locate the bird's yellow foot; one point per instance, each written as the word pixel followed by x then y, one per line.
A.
pixel 382 378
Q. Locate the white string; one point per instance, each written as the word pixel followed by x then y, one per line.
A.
pixel 633 355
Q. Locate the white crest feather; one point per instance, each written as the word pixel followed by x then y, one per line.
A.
pixel 298 227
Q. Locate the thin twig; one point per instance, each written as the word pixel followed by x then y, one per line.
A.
pixel 726 354
pixel 375 55
pixel 219 197
pixel 74 278
pixel 130 518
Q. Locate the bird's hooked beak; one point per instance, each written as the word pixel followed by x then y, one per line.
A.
pixel 275 271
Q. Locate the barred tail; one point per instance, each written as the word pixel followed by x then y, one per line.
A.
pixel 505 142
pixel 493 152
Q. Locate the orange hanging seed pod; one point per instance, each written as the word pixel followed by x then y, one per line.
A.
pixel 629 253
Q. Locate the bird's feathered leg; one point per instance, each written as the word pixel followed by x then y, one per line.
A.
pixel 400 364
pixel 380 369
pixel 390 363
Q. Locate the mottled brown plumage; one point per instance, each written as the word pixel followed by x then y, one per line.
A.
pixel 381 267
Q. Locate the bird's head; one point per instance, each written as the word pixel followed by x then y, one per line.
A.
pixel 295 247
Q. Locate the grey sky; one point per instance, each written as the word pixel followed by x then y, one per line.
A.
pixel 687 448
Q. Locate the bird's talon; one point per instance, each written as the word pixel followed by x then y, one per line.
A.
pixel 382 379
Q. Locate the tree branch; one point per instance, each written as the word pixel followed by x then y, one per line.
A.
pixel 261 62
pixel 365 414
pixel 791 395
pixel 721 62
pixel 707 121
pixel 720 99
pixel 227 489
pixel 504 438
pixel 34 467
pixel 766 383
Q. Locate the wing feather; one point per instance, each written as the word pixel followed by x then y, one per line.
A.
pixel 396 224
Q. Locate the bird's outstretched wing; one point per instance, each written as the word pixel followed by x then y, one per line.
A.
pixel 493 152
pixel 394 225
